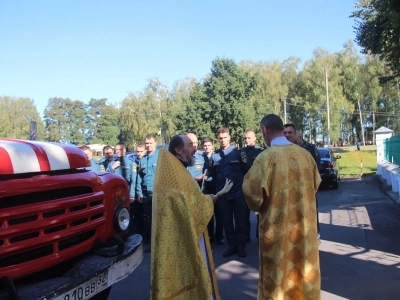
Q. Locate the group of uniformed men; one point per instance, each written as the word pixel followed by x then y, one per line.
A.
pixel 211 169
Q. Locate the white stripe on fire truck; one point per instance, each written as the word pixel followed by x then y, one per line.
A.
pixel 23 158
pixel 56 154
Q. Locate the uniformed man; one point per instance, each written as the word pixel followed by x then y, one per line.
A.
pixel 295 137
pixel 252 151
pixel 124 166
pixel 216 225
pixel 229 162
pixel 108 156
pixel 147 171
pixel 95 165
pixel 137 207
pixel 197 169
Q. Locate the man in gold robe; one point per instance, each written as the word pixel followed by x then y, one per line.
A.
pixel 281 186
pixel 181 259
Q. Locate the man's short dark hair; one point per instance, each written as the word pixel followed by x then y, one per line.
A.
pixel 272 122
pixel 290 125
pixel 207 140
pixel 105 148
pixel 222 130
pixel 120 144
pixel 176 142
pixel 85 147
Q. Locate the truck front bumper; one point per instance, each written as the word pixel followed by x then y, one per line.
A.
pixel 88 275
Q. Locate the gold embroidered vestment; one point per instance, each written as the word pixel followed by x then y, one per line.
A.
pixel 180 216
pixel 281 186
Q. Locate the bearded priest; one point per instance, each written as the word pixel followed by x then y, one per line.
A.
pixel 182 265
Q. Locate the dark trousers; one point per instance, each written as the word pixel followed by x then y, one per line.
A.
pixel 137 219
pixel 148 210
pixel 316 200
pixel 234 216
pixel 248 227
pixel 216 225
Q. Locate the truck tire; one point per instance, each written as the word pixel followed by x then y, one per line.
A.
pixel 103 295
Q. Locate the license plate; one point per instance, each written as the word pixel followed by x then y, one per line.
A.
pixel 87 289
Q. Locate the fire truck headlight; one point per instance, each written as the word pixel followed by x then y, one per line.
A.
pixel 121 219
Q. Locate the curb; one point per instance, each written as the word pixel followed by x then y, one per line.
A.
pixel 387 190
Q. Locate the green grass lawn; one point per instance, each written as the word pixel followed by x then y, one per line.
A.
pixel 350 161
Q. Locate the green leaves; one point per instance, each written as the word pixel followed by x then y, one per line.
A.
pixel 378 30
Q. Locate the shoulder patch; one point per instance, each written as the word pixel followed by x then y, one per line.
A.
pixel 243 156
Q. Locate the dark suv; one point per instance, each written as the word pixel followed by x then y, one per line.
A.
pixel 329 168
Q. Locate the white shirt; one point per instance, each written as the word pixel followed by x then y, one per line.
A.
pixel 279 141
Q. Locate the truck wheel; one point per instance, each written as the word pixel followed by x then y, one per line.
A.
pixel 103 295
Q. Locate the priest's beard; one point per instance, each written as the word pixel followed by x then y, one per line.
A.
pixel 187 158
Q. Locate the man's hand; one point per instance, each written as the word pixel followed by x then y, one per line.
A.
pixel 132 199
pixel 140 198
pixel 214 198
pixel 116 165
pixel 201 177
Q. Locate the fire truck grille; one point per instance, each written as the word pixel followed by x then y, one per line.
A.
pixel 26 256
pixel 40 252
pixel 43 196
pixel 75 240
pixel 51 227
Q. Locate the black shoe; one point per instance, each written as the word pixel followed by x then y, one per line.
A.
pixel 230 252
pixel 220 241
pixel 242 252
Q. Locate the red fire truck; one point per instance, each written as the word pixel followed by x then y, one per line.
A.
pixel 63 228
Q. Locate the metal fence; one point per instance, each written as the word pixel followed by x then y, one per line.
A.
pixel 391 149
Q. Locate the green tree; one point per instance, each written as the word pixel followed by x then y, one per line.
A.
pixel 378 30
pixel 65 120
pixel 15 117
pixel 102 121
pixel 221 100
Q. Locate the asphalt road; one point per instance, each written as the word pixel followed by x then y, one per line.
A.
pixel 359 250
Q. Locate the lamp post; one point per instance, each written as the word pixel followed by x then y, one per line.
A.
pixel 327 108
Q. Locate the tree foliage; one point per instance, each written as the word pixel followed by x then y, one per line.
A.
pixel 233 95
pixel 378 30
pixel 15 117
pixel 221 100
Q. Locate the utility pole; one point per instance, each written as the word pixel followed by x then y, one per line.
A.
pixel 159 110
pixel 284 108
pixel 327 108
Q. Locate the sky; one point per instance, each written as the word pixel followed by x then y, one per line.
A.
pixel 107 49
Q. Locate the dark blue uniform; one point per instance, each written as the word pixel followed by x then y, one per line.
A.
pixel 315 154
pixel 252 153
pixel 313 151
pixel 232 164
pixel 216 225
pixel 145 183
